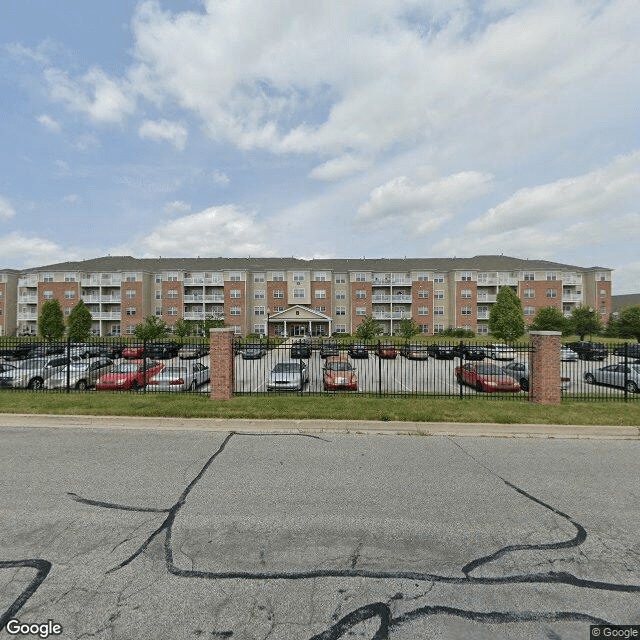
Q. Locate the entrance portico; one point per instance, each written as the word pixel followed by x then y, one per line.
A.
pixel 299 321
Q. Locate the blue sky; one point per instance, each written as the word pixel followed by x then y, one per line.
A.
pixel 358 128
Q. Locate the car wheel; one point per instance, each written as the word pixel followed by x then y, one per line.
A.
pixel 631 386
pixel 588 378
pixel 193 385
pixel 81 385
pixel 36 383
pixel 135 386
pixel 524 384
pixel 459 379
pixel 479 386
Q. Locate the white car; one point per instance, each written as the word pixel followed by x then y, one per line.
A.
pixel 80 374
pixel 290 375
pixel 182 377
pixel 568 355
pixel 499 352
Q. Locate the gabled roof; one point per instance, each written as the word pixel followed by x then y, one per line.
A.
pixel 293 313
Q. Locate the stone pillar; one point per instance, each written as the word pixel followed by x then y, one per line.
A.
pixel 222 363
pixel 544 367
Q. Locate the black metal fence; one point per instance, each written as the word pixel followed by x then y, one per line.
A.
pixel 105 365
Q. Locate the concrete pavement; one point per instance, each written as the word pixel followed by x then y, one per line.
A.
pixel 610 432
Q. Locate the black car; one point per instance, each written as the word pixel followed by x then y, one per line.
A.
pixel 301 349
pixel 441 351
pixel 328 349
pixel 628 350
pixel 358 351
pixel 589 350
pixel 252 351
pixel 162 350
pixel 470 352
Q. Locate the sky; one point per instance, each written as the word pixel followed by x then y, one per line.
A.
pixel 335 128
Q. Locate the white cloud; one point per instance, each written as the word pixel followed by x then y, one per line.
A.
pixel 626 278
pixel 341 167
pixel 49 123
pixel 6 209
pixel 23 251
pixel 220 230
pixel 173 132
pixel 220 178
pixel 177 206
pixel 72 198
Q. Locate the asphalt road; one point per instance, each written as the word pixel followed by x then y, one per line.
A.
pixel 141 534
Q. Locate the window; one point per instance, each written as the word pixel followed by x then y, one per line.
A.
pixel 259 277
pixel 603 293
pixel 423 293
pixel 465 311
pixel 158 294
pixel 48 277
pixel 260 294
pixel 602 277
pixel 236 328
pixel 131 293
pixel 438 328
pixel 278 276
pixel 341 278
pixel 69 277
pixel 552 275
pixel 466 276
pixel 341 328
pixel 131 277
pixel 259 311
pixel 172 311
pixel 360 294
pixel 158 311
pixel 234 311
pixel 320 276
pixel 298 276
pixel 424 328
pixel 278 294
pixel 465 293
pixel 438 311
pixel 361 311
pixel 69 294
pixel 439 294
pixel 423 277
pixel 321 309
pixel 341 311
pixel 298 294
pixel 278 309
pixel 438 278
pixel 529 311
pixel 361 277
pixel 158 278
pixel 131 311
pixel 552 293
pixel 320 294
pixel 423 311
pixel 529 275
pixel 529 293
pixel 259 328
pixel 341 295
pixel 234 293
pixel 234 277
pixel 47 295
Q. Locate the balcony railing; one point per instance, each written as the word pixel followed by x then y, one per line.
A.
pixel 389 299
pixel 486 297
pixel 391 315
pixel 106 299
pixel 106 315
pixel 571 297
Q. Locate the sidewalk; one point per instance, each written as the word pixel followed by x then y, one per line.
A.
pixel 326 426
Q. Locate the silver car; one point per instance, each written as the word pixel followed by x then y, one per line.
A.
pixel 568 355
pixel 81 375
pixel 520 371
pixel 183 377
pixel 31 373
pixel 290 375
pixel 625 376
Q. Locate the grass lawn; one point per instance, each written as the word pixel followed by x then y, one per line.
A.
pixel 329 407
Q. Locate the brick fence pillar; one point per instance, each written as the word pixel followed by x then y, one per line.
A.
pixel 222 364
pixel 544 367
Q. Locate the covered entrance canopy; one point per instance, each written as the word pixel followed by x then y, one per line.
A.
pixel 299 321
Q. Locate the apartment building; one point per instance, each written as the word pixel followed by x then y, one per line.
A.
pixel 292 296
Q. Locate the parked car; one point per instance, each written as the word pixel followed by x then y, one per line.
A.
pixel 589 350
pixel 184 377
pixel 338 373
pixel 469 352
pixel 45 350
pixel 192 351
pixel 133 351
pixel 358 350
pixel 300 349
pixel 290 375
pixel 568 355
pixel 499 352
pixel 130 375
pixel 31 373
pixel 414 351
pixel 631 350
pixel 441 351
pixel 162 350
pixel 520 372
pixel 486 377
pixel 252 351
pixel 625 376
pixel 329 349
pixel 82 374
pixel 387 351
pixel 111 350
pixel 4 367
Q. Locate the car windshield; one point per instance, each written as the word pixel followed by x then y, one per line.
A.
pixel 339 366
pixel 286 367
pixel 490 370
pixel 126 367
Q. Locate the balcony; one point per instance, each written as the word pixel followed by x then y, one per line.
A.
pixel 396 280
pixel 27 282
pixel 571 297
pixel 498 282
pixel 96 299
pixel 27 315
pixel 390 299
pixel 28 299
pixel 101 282
pixel 391 315
pixel 106 315
pixel 194 315
pixel 486 297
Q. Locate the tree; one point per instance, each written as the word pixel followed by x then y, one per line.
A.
pixel 550 319
pixel 152 328
pixel 628 323
pixel 183 328
pixel 51 321
pixel 585 320
pixel 408 328
pixel 368 329
pixel 506 320
pixel 79 322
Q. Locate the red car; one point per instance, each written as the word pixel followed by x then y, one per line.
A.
pixel 133 351
pixel 130 375
pixel 387 351
pixel 339 374
pixel 486 377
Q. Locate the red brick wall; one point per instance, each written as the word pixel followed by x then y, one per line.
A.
pixel 222 363
pixel 544 367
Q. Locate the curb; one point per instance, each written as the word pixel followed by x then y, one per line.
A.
pixel 478 430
